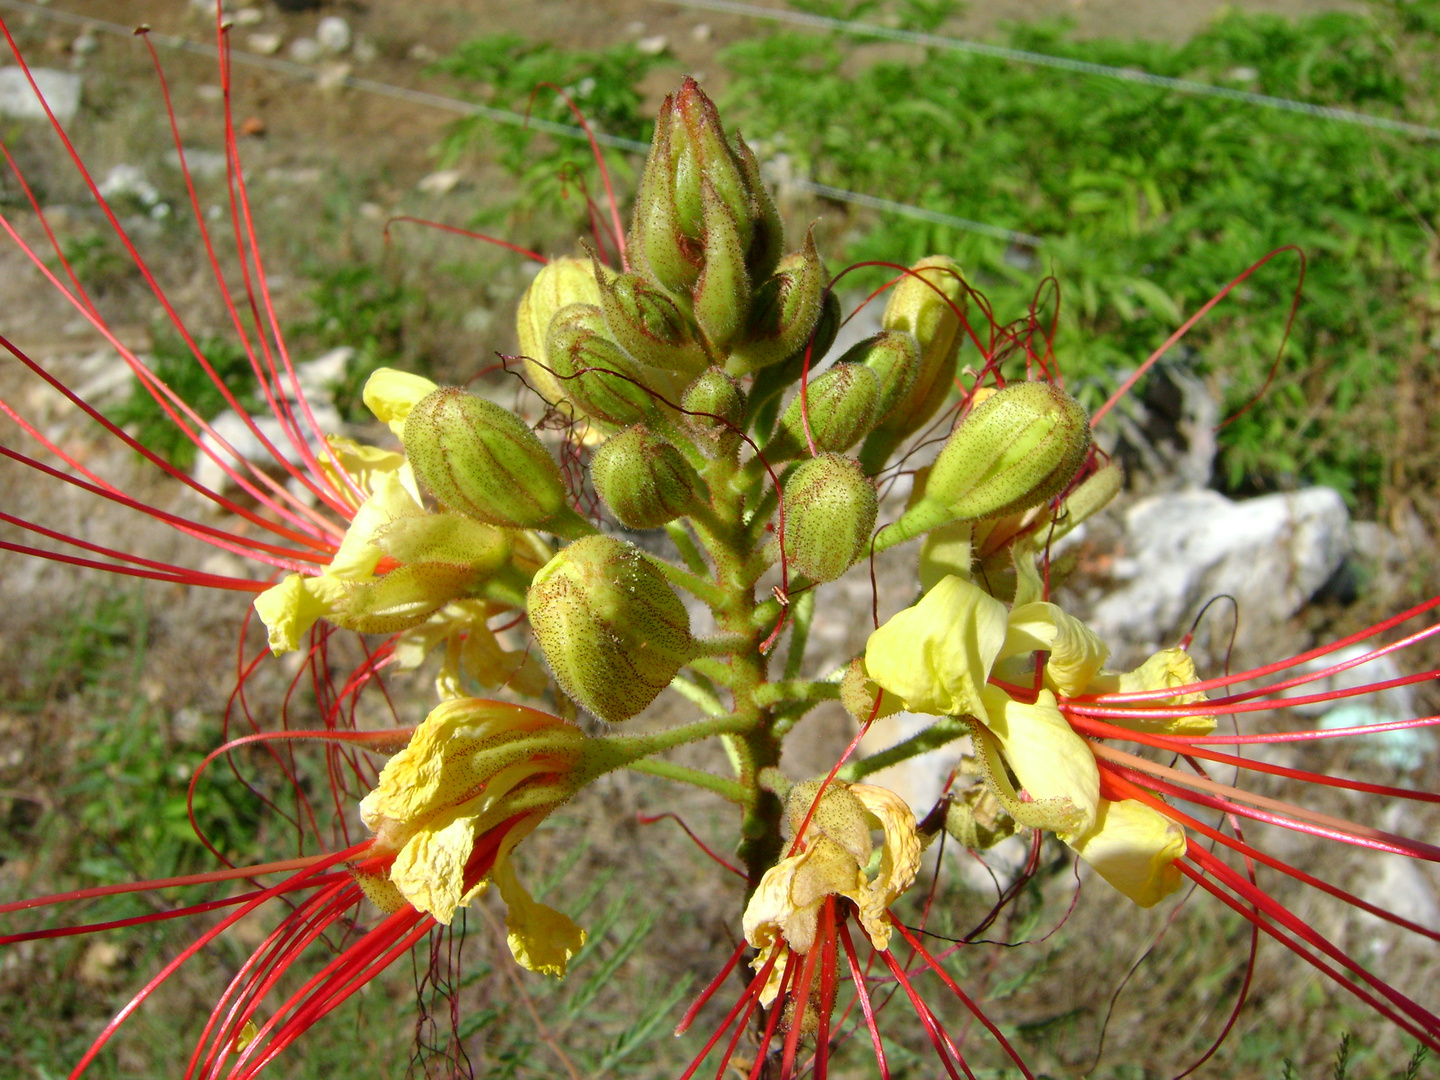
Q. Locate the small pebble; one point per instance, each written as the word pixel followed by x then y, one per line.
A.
pixel 701 32
pixel 653 46
pixel 264 44
pixel 249 16
pixel 305 50
pixel 333 34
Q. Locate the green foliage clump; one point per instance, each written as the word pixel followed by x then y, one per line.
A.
pixel 1151 201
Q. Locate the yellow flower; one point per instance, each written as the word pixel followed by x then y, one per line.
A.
pixel 836 860
pixel 391 394
pixel 476 778
pixel 1168 669
pixel 939 656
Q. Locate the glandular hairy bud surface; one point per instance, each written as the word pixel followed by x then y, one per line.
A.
pixel 594 372
pixel 648 325
pixel 560 283
pixel 923 305
pixel 784 312
pixel 841 406
pixel 894 357
pixel 644 480
pixel 611 628
pixel 1017 449
pixel 715 411
pixel 482 460
pixel 830 509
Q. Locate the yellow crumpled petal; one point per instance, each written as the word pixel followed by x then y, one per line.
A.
pixel 541 939
pixel 936 655
pixel 391 394
pixel 1168 669
pixel 771 990
pixel 1134 848
pixel 786 904
pixel 363 467
pixel 429 870
pixel 1076 652
pixel 1055 766
pixel 899 859
pixel 292 607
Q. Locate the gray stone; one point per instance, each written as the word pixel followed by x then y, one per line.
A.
pixel 333 34
pixel 1271 554
pixel 61 89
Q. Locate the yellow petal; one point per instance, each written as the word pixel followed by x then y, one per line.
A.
pixel 1054 765
pixel 1134 848
pixel 358 554
pixel 936 655
pixel 899 859
pixel 429 870
pixel 363 466
pixel 391 394
pixel 1029 586
pixel 1076 652
pixel 541 939
pixel 1168 669
pixel 291 608
pixel 946 551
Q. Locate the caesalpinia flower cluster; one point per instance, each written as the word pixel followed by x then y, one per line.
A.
pixel 692 376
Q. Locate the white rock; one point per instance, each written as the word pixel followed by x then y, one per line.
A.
pixel 439 183
pixel 700 32
pixel 202 164
pixel 130 180
pixel 61 90
pixel 264 44
pixel 1270 553
pixel 305 50
pixel 332 76
pixel 653 46
pixel 249 17
pixel 1398 886
pixel 333 34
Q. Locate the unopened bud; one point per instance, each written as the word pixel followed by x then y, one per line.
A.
pixel 644 480
pixel 771 382
pixel 560 283
pixel 924 305
pixel 650 327
pixel 1091 496
pixel 715 411
pixel 594 372
pixel 840 407
pixel 830 508
pixel 1017 449
pixel 482 460
pixel 894 357
pixel 783 313
pixel 611 628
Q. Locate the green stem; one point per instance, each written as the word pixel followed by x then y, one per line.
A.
pixel 946 729
pixel 685 544
pixel 722 644
pixel 569 525
pixel 706 591
pixel 796 690
pixel 610 752
pixel 698 695
pixel 732 790
pixel 802 613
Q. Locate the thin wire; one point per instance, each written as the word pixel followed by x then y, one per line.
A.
pixel 507 117
pixel 1083 67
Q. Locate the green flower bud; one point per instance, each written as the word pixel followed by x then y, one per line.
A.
pixel 830 508
pixel 643 479
pixel 894 356
pixel 482 460
pixel 584 359
pixel 917 308
pixel 611 628
pixel 783 313
pixel 715 394
pixel 771 382
pixel 560 283
pixel 647 324
pixel 1017 449
pixel 704 220
pixel 841 405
